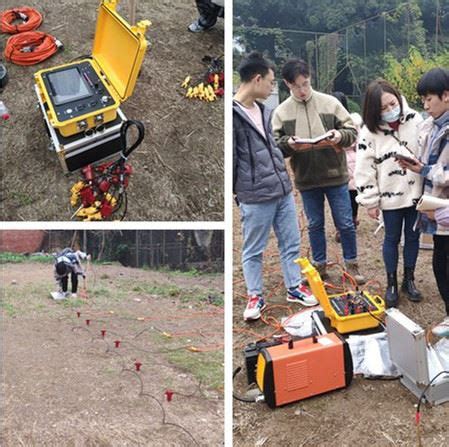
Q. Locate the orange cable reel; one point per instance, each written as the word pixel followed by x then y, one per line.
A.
pixel 31 47
pixel 30 17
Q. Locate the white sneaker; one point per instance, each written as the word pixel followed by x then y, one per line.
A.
pixel 74 295
pixel 58 295
pixel 301 295
pixel 255 305
pixel 442 329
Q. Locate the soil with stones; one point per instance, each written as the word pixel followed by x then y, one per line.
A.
pixel 178 169
pixel 368 412
pixel 64 384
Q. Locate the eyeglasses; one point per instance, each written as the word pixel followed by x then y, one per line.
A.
pixel 305 84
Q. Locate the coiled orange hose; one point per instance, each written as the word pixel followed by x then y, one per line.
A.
pixel 30 48
pixel 31 20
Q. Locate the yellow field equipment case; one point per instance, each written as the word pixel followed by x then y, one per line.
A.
pixel 86 94
pixel 348 312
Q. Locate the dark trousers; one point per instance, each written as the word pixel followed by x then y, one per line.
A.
pixel 65 282
pixel 354 204
pixel 394 221
pixel 440 263
pixel 209 12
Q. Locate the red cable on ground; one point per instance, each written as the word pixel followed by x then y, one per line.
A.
pixel 30 48
pixel 30 17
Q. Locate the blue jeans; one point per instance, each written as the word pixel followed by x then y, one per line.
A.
pixel 257 221
pixel 340 204
pixel 394 220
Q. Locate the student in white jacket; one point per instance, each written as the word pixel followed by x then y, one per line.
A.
pixel 383 186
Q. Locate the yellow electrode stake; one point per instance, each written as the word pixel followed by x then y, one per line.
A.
pixel 111 199
pixel 75 190
pixel 77 187
pixel 211 92
pixel 193 349
pixel 89 212
pixel 186 81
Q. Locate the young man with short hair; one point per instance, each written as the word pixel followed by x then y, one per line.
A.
pixel 262 188
pixel 433 166
pixel 319 172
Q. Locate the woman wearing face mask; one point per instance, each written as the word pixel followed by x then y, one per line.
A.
pixel 390 132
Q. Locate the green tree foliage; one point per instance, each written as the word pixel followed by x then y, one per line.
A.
pixel 365 32
pixel 405 73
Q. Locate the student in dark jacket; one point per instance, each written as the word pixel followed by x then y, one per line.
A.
pixel 262 188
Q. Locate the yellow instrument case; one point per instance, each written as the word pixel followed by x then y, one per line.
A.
pixel 85 94
pixel 367 315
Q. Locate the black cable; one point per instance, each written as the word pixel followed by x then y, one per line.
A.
pixel 235 395
pixel 141 392
pixel 125 153
pixel 421 398
pixel 123 133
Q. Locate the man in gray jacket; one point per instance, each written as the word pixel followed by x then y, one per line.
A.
pixel 262 188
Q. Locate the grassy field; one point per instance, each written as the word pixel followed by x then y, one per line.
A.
pixel 171 322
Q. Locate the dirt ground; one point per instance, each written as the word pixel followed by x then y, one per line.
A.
pixel 178 169
pixel 368 412
pixel 65 385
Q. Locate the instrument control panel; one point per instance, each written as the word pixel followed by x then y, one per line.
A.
pixel 77 90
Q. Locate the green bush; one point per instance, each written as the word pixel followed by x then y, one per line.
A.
pixel 406 73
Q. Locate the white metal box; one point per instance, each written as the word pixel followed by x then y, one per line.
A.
pixel 96 145
pixel 414 359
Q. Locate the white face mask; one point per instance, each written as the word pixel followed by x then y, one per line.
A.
pixel 392 115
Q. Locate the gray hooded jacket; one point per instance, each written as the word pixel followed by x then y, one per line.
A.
pixel 259 171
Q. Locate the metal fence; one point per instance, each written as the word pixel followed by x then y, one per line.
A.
pixel 183 250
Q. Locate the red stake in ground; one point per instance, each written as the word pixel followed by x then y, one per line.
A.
pixel 169 395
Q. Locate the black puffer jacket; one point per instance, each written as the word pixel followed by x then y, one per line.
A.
pixel 259 172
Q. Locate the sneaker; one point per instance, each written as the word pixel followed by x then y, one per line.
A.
pixel 196 27
pixel 442 329
pixel 301 295
pixel 67 294
pixel 255 305
pixel 353 269
pixel 58 295
pixel 74 295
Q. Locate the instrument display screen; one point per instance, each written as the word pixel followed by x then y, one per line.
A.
pixel 68 86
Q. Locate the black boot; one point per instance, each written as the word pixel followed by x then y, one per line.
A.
pixel 408 285
pixel 392 294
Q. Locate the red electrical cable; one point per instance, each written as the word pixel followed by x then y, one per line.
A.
pixel 30 17
pixel 30 48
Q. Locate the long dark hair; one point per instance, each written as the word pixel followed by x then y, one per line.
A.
pixel 372 104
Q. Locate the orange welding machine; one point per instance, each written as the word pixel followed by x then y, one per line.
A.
pixel 296 370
